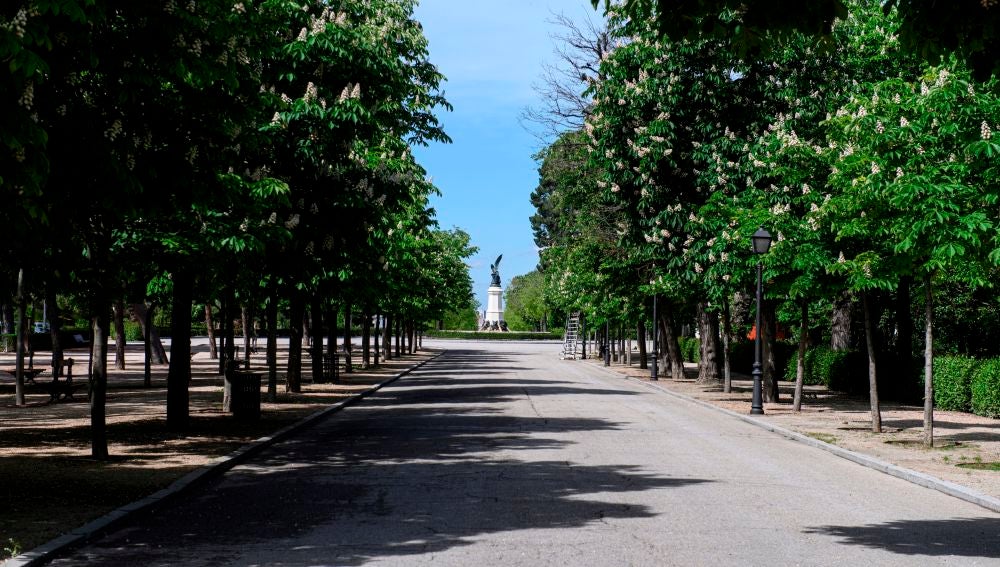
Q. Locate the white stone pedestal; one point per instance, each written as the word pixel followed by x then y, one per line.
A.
pixel 494 304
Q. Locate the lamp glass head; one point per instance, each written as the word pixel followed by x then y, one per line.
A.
pixel 761 241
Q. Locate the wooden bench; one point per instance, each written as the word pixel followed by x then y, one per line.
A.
pixel 62 390
pixel 28 373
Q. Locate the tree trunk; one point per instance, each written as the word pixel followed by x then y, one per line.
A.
pixel 640 339
pixel 293 375
pixel 904 326
pixel 55 327
pixel 21 335
pixel 306 331
pixel 317 345
pixel 179 373
pixel 331 342
pixel 366 338
pixel 159 353
pixel 399 336
pixel 672 358
pixel 229 328
pixel 147 346
pixel 708 329
pixel 800 365
pixel 928 363
pixel 872 378
pixel 99 386
pixel 770 324
pixel 387 337
pixel 9 327
pixel 224 316
pixel 119 312
pixel 348 365
pixel 213 351
pixel 271 316
pixel 412 327
pixel 375 334
pixel 727 331
pixel 245 317
pixel 840 323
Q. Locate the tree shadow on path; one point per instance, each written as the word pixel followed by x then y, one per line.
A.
pixel 962 537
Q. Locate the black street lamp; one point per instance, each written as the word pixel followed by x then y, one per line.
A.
pixel 761 244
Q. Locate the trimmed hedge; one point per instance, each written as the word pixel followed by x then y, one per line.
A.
pixel 690 349
pixel 810 377
pixel 986 389
pixel 953 377
pixel 841 370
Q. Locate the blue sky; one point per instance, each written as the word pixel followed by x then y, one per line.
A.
pixel 491 52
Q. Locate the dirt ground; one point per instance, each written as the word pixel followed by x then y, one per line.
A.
pixel 50 483
pixel 967 446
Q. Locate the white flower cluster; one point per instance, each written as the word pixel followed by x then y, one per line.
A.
pixel 19 24
pixel 27 99
pixel 351 91
pixel 780 209
pixel 293 221
pixel 984 131
pixel 114 131
pixel 311 92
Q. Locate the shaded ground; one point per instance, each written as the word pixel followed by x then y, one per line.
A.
pixel 832 417
pixel 50 485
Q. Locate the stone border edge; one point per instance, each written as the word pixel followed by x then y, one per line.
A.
pixel 915 477
pixel 100 526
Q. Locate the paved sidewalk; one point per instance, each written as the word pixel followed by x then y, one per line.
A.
pixel 962 441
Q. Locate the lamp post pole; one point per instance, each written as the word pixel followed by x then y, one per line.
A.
pixel 656 352
pixel 761 241
pixel 757 405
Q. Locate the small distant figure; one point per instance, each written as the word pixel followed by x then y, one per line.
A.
pixel 253 336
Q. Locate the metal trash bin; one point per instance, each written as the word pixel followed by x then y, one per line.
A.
pixel 243 394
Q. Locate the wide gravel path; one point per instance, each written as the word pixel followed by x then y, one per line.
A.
pixel 501 454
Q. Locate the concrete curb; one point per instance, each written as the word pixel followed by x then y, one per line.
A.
pixel 916 477
pixel 215 468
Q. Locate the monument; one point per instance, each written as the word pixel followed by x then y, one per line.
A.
pixel 494 302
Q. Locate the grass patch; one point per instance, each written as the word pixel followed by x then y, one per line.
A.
pixel 941 446
pixel 994 466
pixel 824 437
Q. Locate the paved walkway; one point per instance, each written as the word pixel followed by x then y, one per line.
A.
pixel 500 454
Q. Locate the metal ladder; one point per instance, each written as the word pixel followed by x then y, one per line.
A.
pixel 573 339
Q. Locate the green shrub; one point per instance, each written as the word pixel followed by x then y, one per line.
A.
pixel 690 349
pixel 810 377
pixel 838 370
pixel 953 382
pixel 986 389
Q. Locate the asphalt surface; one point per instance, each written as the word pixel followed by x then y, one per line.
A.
pixel 501 454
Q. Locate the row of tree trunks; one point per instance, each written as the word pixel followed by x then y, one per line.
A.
pixel 144 315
